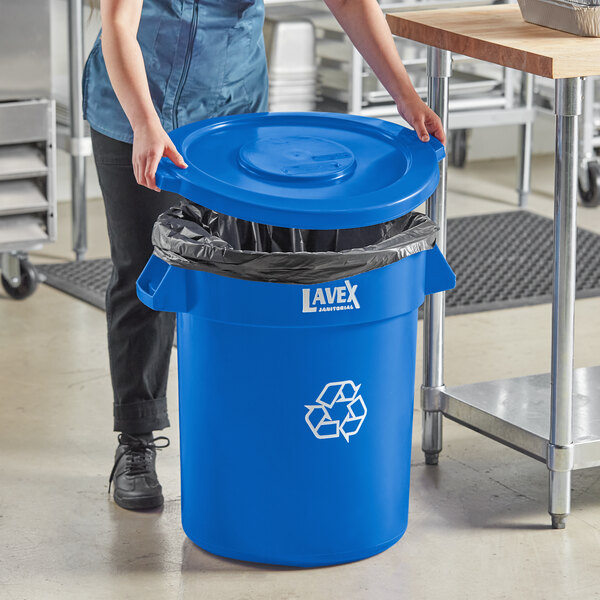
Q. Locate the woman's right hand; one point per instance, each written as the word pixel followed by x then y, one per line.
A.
pixel 150 143
pixel 125 65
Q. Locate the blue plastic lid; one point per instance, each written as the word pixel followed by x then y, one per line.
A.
pixel 303 170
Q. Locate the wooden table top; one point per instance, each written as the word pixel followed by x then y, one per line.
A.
pixel 499 34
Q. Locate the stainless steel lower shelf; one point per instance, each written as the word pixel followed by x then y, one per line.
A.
pixel 516 412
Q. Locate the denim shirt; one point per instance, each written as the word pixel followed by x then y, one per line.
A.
pixel 203 58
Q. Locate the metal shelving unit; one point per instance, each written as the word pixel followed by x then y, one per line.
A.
pixel 589 134
pixel 27 189
pixel 73 132
pixel 27 142
pixel 481 95
pixel 589 142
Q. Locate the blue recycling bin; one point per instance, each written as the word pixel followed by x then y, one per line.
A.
pixel 296 400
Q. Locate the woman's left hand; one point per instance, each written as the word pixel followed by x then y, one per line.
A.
pixel 365 24
pixel 423 120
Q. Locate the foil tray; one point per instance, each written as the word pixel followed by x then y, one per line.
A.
pixel 579 18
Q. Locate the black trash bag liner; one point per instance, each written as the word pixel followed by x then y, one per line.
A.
pixel 194 237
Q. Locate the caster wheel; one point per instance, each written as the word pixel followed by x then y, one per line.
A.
pixel 590 197
pixel 29 281
pixel 458 148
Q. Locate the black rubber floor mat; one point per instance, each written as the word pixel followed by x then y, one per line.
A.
pixel 501 261
pixel 505 260
pixel 85 279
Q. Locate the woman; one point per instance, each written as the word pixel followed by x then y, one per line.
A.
pixel 157 65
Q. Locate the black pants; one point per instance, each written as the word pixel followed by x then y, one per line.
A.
pixel 139 339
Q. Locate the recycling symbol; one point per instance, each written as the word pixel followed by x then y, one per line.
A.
pixel 339 410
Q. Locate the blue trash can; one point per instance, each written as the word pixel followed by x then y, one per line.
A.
pixel 296 399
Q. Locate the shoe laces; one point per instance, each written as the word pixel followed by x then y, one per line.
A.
pixel 137 455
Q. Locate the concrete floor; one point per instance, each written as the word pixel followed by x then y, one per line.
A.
pixel 478 526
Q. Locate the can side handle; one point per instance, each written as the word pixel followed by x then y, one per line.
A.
pixel 439 277
pixel 161 286
pixel 438 148
pixel 167 177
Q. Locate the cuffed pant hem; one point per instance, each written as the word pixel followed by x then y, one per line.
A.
pixel 142 416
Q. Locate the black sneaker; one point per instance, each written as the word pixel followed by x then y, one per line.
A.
pixel 134 472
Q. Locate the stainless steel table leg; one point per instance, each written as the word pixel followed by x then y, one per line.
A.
pixel 355 91
pixel 79 142
pixel 526 138
pixel 560 447
pixel 439 69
